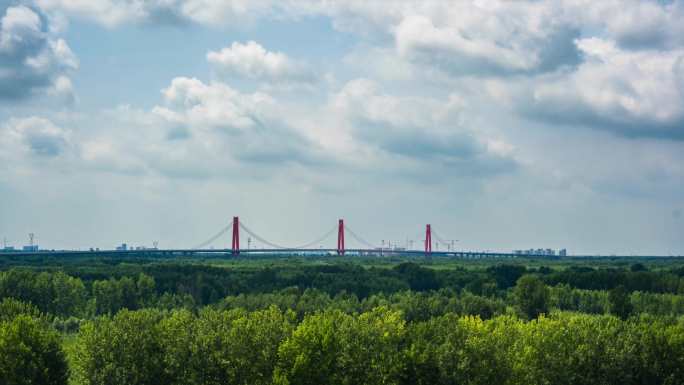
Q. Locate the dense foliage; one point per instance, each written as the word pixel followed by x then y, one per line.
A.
pixel 90 290
pixel 376 347
pixel 301 322
pixel 30 351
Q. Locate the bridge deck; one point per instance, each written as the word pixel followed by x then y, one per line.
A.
pixel 189 252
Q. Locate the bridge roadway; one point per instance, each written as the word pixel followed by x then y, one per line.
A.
pixel 218 252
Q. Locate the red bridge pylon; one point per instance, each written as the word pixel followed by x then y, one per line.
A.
pixel 428 240
pixel 236 236
pixel 340 237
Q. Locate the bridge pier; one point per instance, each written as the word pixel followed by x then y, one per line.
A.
pixel 340 237
pixel 428 240
pixel 235 248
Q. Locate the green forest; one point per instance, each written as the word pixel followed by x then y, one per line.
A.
pixel 340 320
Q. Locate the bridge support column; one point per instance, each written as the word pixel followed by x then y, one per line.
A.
pixel 235 248
pixel 340 237
pixel 428 240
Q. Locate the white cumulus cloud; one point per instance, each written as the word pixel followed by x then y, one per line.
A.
pixel 207 129
pixel 464 38
pixel 31 58
pixel 636 93
pixel 421 129
pixel 35 136
pixel 112 13
pixel 253 61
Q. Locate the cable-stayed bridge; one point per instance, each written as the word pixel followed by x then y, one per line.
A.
pixel 313 247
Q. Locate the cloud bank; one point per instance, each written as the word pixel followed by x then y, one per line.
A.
pixel 505 114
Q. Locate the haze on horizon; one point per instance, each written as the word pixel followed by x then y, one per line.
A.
pixel 505 124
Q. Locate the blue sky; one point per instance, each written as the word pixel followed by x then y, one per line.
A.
pixel 503 124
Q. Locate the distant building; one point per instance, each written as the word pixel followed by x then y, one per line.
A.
pixel 8 248
pixel 540 252
pixel 30 248
pixel 562 253
pixel 123 247
pixel 142 248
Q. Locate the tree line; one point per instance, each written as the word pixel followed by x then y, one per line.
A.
pixel 420 297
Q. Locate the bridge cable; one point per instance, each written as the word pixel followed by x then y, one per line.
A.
pixel 420 239
pixel 440 239
pixel 359 239
pixel 277 246
pixel 215 237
